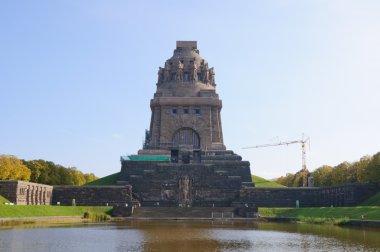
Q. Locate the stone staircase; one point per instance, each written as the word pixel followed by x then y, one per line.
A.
pixel 183 213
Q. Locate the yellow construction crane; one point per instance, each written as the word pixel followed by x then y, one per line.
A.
pixel 303 143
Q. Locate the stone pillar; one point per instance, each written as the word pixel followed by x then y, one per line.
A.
pixel 40 196
pixel 28 195
pixel 216 134
pixel 32 196
pixel 44 197
pixel 35 196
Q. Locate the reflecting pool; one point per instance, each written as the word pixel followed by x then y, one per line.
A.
pixel 188 236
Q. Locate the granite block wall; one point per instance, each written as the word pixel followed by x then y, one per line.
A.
pixel 92 195
pixel 345 195
pixel 159 183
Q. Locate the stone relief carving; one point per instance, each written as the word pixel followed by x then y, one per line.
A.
pixel 184 190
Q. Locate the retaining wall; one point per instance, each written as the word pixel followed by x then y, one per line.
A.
pixel 92 195
pixel 344 195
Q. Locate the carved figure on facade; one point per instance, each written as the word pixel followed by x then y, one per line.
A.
pixel 160 75
pixel 205 73
pixel 194 74
pixel 212 76
pixel 167 71
pixel 179 72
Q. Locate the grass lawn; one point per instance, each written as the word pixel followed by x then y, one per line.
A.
pixel 261 182
pixel 7 211
pixel 111 180
pixel 373 201
pixel 108 180
pixel 369 212
pixel 3 200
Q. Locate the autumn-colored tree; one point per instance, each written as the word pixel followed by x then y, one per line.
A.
pixel 54 174
pixel 11 168
pixel 90 177
pixel 291 180
pixel 286 181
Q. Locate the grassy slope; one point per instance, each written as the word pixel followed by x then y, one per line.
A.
pixel 261 182
pixel 108 180
pixel 7 211
pixel 369 212
pixel 111 180
pixel 373 201
pixel 3 200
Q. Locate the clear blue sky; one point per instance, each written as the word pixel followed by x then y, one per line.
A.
pixel 77 76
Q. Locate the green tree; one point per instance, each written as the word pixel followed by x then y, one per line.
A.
pixel 373 169
pixel 323 176
pixel 36 168
pixel 361 168
pixel 340 173
pixel 12 168
pixel 287 180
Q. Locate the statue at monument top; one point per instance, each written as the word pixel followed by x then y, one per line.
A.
pixel 205 72
pixel 212 76
pixel 187 69
pixel 160 75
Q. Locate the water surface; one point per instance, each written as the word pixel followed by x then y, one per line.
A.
pixel 189 236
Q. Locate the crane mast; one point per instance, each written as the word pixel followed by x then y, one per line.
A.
pixel 303 143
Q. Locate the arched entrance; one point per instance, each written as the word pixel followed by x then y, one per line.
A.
pixel 186 146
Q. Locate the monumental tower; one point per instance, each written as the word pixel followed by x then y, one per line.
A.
pixel 184 160
pixel 186 108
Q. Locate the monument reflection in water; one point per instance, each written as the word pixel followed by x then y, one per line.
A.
pixel 190 236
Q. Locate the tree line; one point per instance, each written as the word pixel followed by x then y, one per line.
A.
pixel 41 171
pixel 366 170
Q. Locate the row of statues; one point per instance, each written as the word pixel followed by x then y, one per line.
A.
pixel 205 74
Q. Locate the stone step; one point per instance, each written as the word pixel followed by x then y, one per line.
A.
pixel 218 153
pixel 222 157
pixel 182 212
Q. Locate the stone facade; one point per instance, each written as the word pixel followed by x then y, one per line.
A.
pixel 186 126
pixel 26 193
pixel 92 195
pixel 215 181
pixel 185 108
pixel 344 195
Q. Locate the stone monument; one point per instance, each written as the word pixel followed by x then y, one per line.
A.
pixel 184 161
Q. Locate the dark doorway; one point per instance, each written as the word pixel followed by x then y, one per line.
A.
pixel 174 156
pixel 197 157
pixel 186 158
